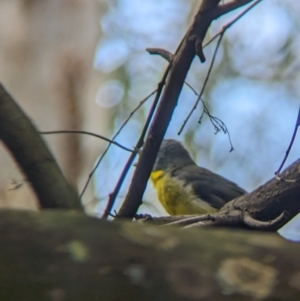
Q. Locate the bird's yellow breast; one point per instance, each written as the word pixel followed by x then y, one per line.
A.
pixel 177 198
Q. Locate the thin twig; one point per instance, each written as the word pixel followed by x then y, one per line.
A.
pixel 162 52
pixel 222 9
pixel 228 25
pixel 253 223
pixel 290 146
pixel 114 137
pixel 88 133
pixel 285 180
pixel 216 122
pixel 225 8
pixel 231 219
pixel 204 84
pixel 191 220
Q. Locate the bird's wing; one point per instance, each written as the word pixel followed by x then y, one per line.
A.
pixel 209 186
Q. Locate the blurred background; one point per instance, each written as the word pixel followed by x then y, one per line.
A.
pixel 82 64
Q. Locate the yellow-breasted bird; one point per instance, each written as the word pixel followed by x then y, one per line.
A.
pixel 185 188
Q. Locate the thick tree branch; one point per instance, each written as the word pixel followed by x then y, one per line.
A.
pixel 267 208
pixel 33 157
pixel 73 257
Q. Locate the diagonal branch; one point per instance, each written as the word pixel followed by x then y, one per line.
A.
pixel 267 208
pixel 32 155
pixel 178 71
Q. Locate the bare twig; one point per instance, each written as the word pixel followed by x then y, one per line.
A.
pixel 191 220
pixel 234 218
pixel 162 220
pixel 228 25
pixel 162 52
pixel 204 85
pixel 114 137
pixel 255 224
pixel 290 146
pixel 225 8
pixel 285 180
pixel 220 10
pixel 216 122
pixel 88 133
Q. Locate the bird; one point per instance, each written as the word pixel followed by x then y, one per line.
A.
pixel 184 188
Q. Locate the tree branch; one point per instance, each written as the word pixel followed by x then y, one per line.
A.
pixel 179 67
pixel 32 155
pixel 261 225
pixel 267 208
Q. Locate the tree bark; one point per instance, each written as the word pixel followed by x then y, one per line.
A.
pixel 70 256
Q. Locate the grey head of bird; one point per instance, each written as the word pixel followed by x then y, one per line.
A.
pixel 172 155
